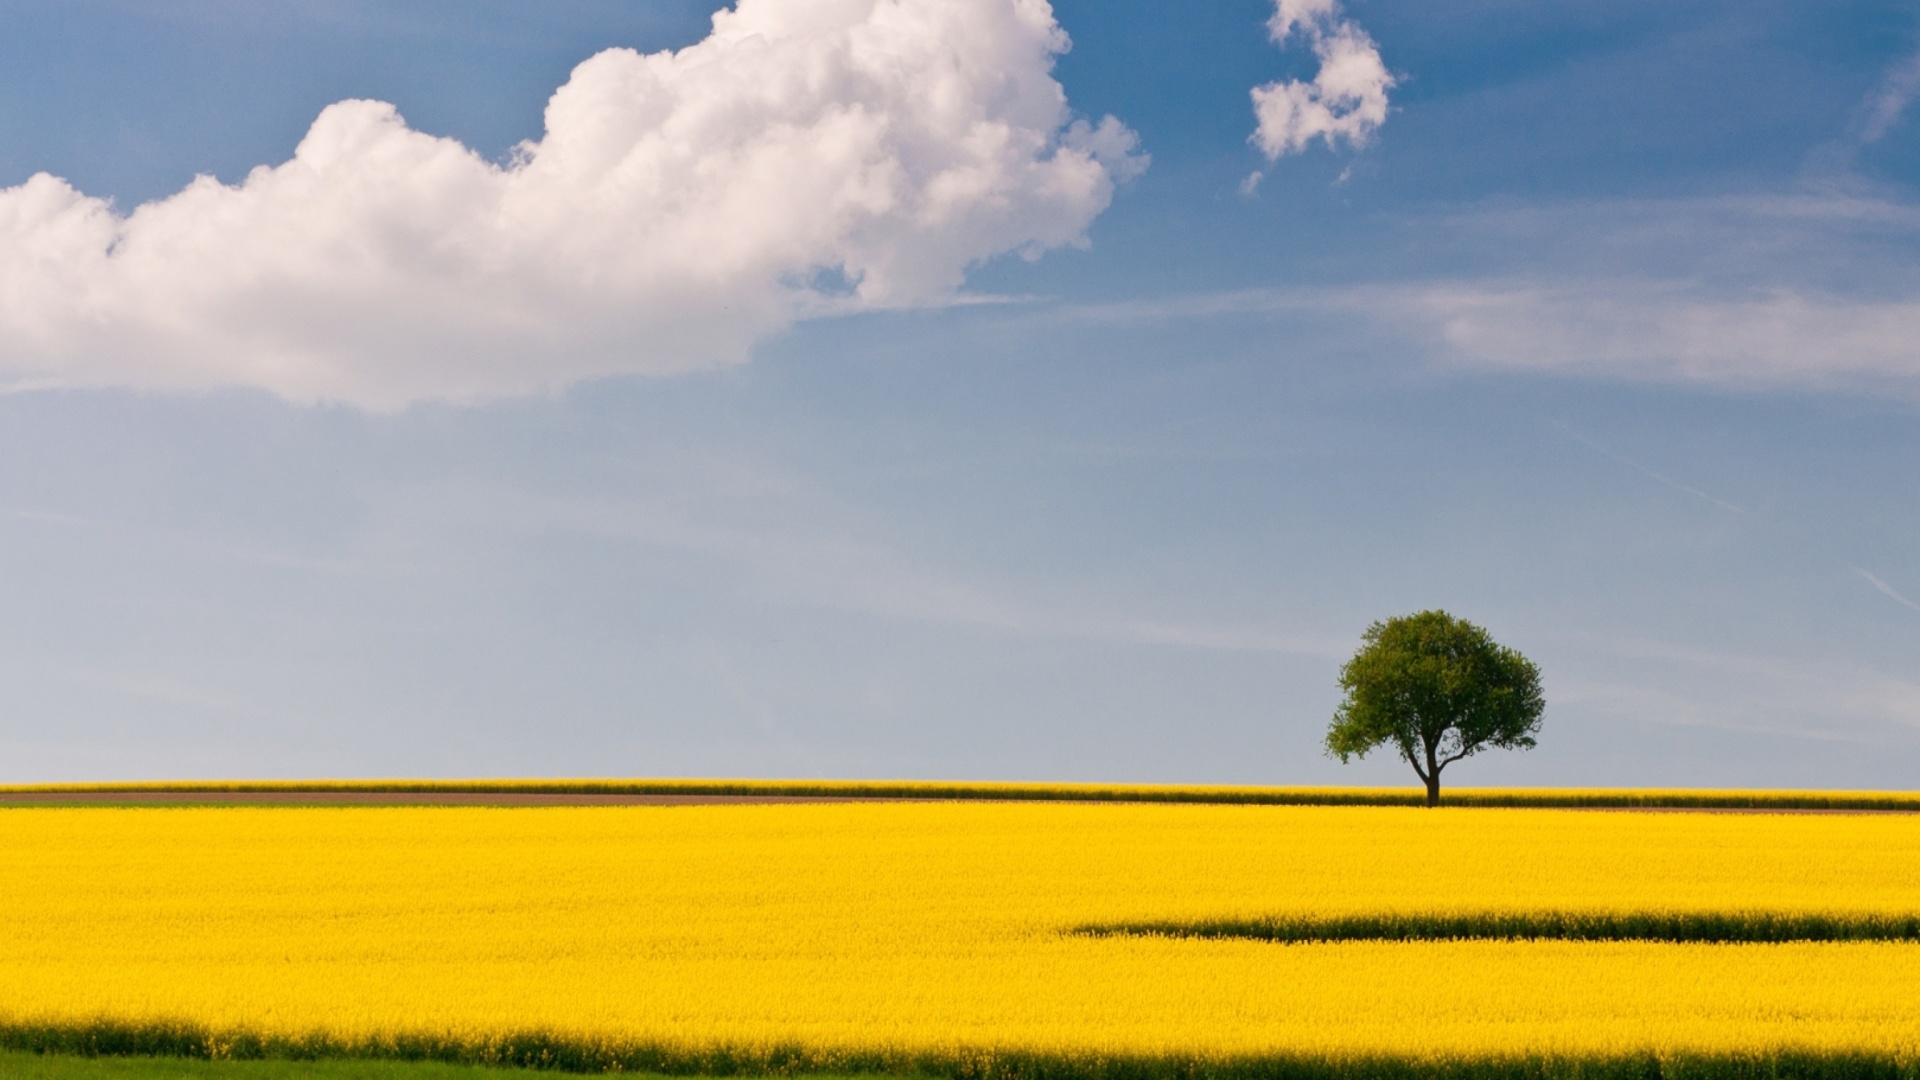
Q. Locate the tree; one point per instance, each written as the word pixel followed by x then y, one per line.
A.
pixel 1439 689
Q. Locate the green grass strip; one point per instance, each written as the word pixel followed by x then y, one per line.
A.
pixel 1595 798
pixel 149 1052
pixel 1671 926
pixel 29 1066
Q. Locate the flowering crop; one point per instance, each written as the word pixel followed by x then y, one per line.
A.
pixel 939 936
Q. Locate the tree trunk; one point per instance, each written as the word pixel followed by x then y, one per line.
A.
pixel 1433 789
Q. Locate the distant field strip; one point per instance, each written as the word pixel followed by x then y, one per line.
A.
pixel 935 938
pixel 468 791
pixel 1671 926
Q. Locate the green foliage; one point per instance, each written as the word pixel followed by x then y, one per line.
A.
pixel 1438 689
pixel 1741 927
pixel 27 1066
pixel 1768 1065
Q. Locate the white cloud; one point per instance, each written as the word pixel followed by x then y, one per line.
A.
pixel 1654 330
pixel 1791 696
pixel 809 156
pixel 1667 331
pixel 1347 98
pixel 1813 290
pixel 1816 289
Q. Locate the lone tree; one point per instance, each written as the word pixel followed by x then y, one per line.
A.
pixel 1439 689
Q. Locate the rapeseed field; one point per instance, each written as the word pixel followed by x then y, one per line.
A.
pixel 969 939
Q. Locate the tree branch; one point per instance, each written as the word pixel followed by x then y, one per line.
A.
pixel 1413 759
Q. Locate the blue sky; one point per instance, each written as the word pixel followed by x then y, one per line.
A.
pixel 1607 338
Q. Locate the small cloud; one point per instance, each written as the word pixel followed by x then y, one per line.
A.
pixel 1252 183
pixel 1346 99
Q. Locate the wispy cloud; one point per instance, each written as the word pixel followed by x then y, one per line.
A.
pixel 1776 695
pixel 1661 331
pixel 1878 113
pixel 1872 579
pixel 44 517
pixel 1888 102
pixel 1660 477
pixel 794 549
pixel 1886 589
pixel 1666 331
pixel 1815 289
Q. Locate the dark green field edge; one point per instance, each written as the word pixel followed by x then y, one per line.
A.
pixel 541 1051
pixel 893 790
pixel 20 1065
pixel 1691 926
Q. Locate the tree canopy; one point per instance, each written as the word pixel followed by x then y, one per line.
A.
pixel 1438 689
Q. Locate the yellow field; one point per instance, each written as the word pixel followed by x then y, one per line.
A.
pixel 931 934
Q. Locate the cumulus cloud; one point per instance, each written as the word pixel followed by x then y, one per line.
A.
pixel 808 157
pixel 1347 98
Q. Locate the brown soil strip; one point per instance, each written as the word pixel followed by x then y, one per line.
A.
pixel 392 798
pixel 323 797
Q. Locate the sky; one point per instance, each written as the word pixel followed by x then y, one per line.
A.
pixel 960 389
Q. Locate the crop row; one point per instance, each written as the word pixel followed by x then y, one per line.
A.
pixel 545 1051
pixel 1671 926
